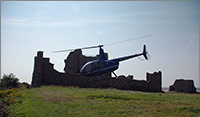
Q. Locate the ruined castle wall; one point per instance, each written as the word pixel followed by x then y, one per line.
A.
pixel 45 74
pixel 181 85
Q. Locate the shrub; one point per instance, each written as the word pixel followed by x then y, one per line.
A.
pixel 3 109
pixel 9 81
pixel 7 97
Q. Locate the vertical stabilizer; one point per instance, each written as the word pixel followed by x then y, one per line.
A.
pixel 145 52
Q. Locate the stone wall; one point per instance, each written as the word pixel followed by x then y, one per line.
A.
pixel 45 74
pixel 181 85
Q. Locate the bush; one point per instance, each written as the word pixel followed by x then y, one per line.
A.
pixel 3 109
pixel 8 97
pixel 9 81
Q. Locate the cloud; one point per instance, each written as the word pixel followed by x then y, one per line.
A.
pixel 126 18
pixel 17 22
pixel 21 22
pixel 41 22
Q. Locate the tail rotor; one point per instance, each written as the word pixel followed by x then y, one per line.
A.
pixel 145 53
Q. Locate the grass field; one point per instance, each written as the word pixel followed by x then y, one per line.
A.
pixel 54 101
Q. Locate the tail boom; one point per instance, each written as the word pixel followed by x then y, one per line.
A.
pixel 144 53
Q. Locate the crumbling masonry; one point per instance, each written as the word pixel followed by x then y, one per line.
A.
pixel 45 74
pixel 181 85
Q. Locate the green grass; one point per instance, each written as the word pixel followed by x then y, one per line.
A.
pixel 54 101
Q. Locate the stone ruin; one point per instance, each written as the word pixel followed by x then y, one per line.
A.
pixel 76 60
pixel 45 74
pixel 181 85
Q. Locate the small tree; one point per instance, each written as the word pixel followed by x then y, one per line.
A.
pixel 9 81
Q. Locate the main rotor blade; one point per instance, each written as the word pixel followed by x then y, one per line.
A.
pixel 78 48
pixel 128 40
pixel 104 44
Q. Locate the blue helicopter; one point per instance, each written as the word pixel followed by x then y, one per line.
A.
pixel 102 65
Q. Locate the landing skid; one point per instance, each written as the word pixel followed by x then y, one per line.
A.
pixel 104 78
pixel 115 74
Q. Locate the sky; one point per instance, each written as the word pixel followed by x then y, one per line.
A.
pixel 30 26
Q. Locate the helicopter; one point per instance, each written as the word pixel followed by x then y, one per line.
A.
pixel 103 65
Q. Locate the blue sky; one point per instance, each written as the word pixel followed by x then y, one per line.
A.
pixel 27 27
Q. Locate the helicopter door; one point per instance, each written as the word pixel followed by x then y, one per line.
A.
pixel 89 68
pixel 94 66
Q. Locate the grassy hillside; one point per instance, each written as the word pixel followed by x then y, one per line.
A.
pixel 54 101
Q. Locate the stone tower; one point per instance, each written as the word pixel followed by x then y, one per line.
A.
pixel 44 72
pixel 37 72
pixel 155 80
